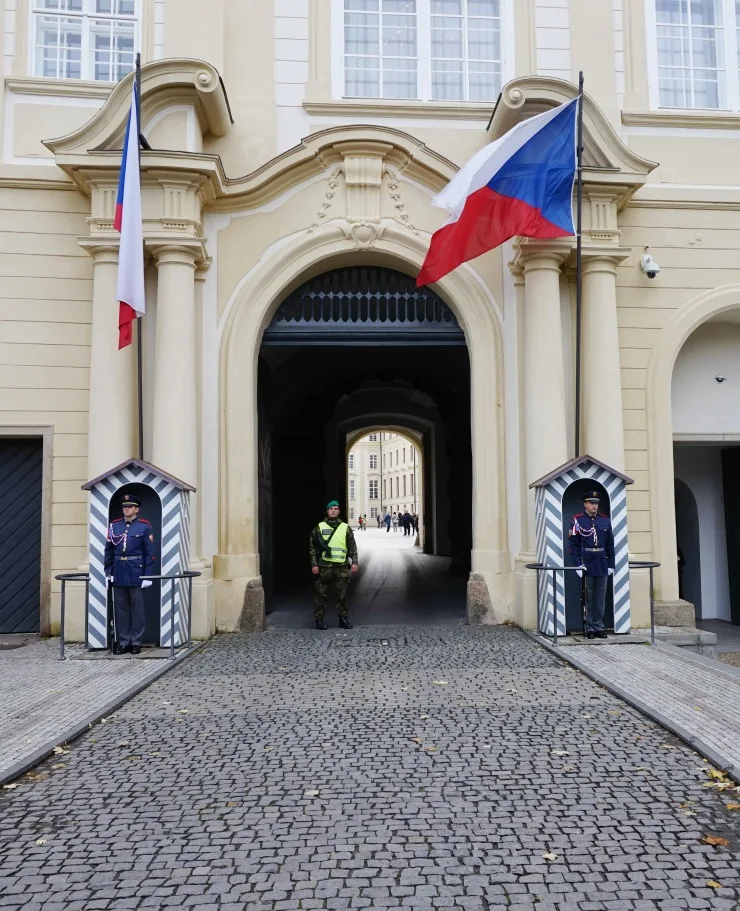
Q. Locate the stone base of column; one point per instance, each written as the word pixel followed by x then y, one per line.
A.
pixel 252 617
pixel 478 607
pixel 525 592
pixel 240 598
pixel 204 604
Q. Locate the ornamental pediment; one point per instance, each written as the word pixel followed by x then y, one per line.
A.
pixel 606 159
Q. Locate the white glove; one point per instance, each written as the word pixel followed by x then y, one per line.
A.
pixel 611 572
pixel 579 573
pixel 109 580
pixel 146 583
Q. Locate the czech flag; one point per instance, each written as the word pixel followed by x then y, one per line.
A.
pixel 128 221
pixel 522 184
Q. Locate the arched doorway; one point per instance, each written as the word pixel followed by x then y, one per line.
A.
pixel 351 347
pixel 688 550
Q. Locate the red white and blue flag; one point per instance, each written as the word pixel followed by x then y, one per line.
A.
pixel 128 221
pixel 522 184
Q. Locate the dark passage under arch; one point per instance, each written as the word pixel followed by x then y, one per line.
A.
pixel 353 347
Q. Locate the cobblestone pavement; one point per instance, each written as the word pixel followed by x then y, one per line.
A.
pixel 701 697
pixel 43 700
pixel 416 767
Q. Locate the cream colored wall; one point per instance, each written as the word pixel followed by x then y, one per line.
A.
pixel 45 316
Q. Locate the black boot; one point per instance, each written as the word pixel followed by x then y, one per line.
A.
pixel 344 623
pixel 321 625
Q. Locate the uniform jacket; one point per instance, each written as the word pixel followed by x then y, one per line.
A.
pixel 316 552
pixel 129 551
pixel 596 553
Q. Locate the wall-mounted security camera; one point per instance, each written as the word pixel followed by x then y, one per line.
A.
pixel 648 264
pixel 720 378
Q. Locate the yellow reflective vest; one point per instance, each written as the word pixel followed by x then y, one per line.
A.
pixel 338 548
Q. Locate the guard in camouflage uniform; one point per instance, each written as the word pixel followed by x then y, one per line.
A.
pixel 333 560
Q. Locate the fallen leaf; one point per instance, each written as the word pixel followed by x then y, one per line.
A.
pixel 155 754
pixel 440 682
pixel 511 692
pixel 312 793
pixel 60 751
pixel 182 711
pixel 716 774
pixel 416 740
pixel 696 708
pixel 568 768
pixel 9 787
pixel 713 884
pixel 40 841
pixel 732 806
pixel 714 840
pixel 59 765
pixel 431 749
pixel 549 856
pixel 123 743
pixel 269 749
pixel 559 752
pixel 424 717
pixel 233 803
pixel 613 712
pixel 133 758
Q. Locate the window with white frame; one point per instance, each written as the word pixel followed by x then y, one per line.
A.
pixel 373 460
pixel 429 50
pixel 373 437
pixel 697 53
pixel 374 490
pixel 351 460
pixel 373 512
pixel 83 39
pixel 351 489
pixel 351 512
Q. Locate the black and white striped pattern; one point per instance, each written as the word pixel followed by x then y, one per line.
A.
pixel 173 544
pixel 549 529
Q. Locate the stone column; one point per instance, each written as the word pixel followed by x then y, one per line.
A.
pixel 175 424
pixel 546 445
pixel 112 410
pixel 602 426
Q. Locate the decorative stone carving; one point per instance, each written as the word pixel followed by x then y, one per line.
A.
pixel 363 175
pixel 332 182
pixel 394 190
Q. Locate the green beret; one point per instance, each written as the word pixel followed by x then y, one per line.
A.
pixel 332 503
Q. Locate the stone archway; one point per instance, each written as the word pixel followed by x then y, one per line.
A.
pixel 250 310
pixel 660 427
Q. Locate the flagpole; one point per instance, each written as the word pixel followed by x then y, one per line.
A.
pixel 139 334
pixel 579 264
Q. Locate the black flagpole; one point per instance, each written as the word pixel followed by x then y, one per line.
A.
pixel 139 339
pixel 579 274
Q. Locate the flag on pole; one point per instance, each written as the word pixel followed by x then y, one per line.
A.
pixel 521 184
pixel 128 221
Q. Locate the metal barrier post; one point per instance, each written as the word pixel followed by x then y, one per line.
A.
pixel 61 631
pixel 652 609
pixel 172 626
pixel 190 611
pixel 554 608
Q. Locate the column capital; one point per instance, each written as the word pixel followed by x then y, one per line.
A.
pixel 603 259
pixel 102 251
pixel 533 255
pixel 182 253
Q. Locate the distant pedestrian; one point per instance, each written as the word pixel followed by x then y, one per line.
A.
pixel 380 521
pixel 364 522
pixel 406 522
pixel 394 520
pixel 415 522
pixel 387 521
pixel 359 523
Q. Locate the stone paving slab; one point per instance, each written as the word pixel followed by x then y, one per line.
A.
pixel 457 767
pixel 45 702
pixel 695 697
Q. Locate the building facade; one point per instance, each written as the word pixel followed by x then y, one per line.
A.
pixel 293 139
pixel 383 476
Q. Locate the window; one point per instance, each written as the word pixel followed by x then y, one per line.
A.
pixel 374 490
pixel 373 437
pixel 352 489
pixel 373 512
pixel 692 51
pixel 432 50
pixel 411 484
pixel 83 39
pixel 404 453
pixel 404 485
pixel 351 512
pixel 351 460
pixel 396 457
pixel 396 483
pixel 384 490
pixel 374 460
pixel 383 460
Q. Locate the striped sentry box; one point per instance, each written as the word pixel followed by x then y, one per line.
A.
pixel 549 495
pixel 172 539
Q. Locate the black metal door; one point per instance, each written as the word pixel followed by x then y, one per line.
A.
pixel 151 510
pixel 20 554
pixel 731 481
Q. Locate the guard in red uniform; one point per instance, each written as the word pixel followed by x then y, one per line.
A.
pixel 129 555
pixel 591 545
